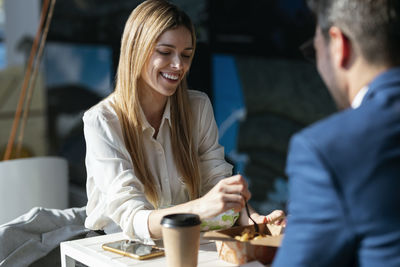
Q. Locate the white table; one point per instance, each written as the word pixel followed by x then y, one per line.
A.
pixel 89 252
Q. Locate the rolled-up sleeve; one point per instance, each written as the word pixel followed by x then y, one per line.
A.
pixel 213 166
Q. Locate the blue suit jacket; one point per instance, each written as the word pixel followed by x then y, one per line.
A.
pixel 344 183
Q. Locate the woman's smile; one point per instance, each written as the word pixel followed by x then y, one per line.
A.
pixel 168 63
pixel 170 76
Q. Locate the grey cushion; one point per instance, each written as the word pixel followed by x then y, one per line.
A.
pixel 36 233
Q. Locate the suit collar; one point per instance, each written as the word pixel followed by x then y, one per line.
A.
pixel 383 81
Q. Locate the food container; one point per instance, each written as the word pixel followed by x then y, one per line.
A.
pixel 239 252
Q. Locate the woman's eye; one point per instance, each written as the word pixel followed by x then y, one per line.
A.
pixel 163 52
pixel 186 56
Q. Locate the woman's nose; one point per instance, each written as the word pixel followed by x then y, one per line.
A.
pixel 176 62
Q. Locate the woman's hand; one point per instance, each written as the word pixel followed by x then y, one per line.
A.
pixel 276 217
pixel 229 193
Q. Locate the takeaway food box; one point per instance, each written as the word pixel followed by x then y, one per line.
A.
pixel 239 252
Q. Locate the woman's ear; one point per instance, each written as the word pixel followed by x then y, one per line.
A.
pixel 340 47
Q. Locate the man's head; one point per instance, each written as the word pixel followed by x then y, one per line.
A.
pixel 353 31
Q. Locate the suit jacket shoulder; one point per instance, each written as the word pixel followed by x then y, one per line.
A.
pixel 351 162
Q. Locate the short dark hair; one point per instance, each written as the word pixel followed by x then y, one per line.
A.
pixel 374 25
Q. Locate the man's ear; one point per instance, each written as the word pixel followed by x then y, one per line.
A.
pixel 340 47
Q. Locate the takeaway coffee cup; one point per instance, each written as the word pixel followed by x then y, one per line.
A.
pixel 181 235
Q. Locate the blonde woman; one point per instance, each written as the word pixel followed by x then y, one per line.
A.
pixel 152 145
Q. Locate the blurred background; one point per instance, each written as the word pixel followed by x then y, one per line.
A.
pixel 247 60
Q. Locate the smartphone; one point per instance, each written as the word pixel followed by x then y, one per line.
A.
pixel 133 249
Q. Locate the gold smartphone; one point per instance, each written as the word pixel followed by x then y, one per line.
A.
pixel 133 249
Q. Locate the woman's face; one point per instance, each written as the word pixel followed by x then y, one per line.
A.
pixel 169 62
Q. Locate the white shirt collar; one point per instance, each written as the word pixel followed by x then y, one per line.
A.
pixel 359 97
pixel 166 116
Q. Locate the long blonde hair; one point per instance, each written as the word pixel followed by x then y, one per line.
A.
pixel 144 26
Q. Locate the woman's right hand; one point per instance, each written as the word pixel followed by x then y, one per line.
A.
pixel 229 193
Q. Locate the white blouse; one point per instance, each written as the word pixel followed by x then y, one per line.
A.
pixel 116 199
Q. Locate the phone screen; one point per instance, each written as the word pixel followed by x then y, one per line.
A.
pixel 133 249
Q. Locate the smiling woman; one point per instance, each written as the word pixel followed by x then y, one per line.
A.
pixel 152 146
pixel 165 69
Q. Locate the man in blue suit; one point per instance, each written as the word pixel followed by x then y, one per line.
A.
pixel 344 171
